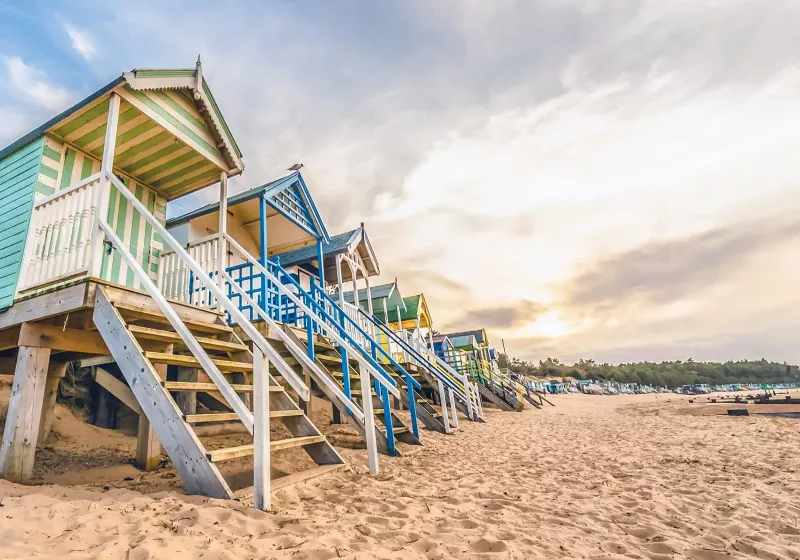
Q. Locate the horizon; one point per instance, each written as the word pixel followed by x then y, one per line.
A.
pixel 579 178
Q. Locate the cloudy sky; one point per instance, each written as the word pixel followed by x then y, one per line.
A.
pixel 584 178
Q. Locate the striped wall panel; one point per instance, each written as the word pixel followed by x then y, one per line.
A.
pixel 18 181
pixel 136 233
pixel 69 166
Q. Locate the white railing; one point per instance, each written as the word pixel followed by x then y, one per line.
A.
pixel 176 280
pixel 353 312
pixel 60 233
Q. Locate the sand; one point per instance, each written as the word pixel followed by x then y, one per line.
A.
pixel 594 477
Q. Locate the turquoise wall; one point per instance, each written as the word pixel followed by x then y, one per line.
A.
pixel 18 174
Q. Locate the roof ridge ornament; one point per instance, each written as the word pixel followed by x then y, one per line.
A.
pixel 198 76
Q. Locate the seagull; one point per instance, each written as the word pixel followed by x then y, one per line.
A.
pixel 295 167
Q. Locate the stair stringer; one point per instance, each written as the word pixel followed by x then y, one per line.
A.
pixel 460 405
pixel 380 438
pixel 188 455
pixel 489 395
pixel 424 413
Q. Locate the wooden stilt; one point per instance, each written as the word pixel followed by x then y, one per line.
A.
pixel 187 400
pixel 148 448
pixel 18 448
pixel 55 372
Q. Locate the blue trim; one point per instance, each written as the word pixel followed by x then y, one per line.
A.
pixel 387 418
pixel 321 230
pixel 321 261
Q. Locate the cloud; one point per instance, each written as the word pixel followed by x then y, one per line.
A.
pixel 82 42
pixel 33 85
pixel 509 316
pixel 665 271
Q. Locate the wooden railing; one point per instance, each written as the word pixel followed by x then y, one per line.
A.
pixel 60 235
pixel 176 279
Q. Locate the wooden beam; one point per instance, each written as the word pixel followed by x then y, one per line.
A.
pixel 9 338
pixel 148 448
pixel 18 448
pixel 47 305
pixel 55 337
pixel 117 388
pixel 55 372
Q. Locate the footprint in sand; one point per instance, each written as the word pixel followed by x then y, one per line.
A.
pixel 469 524
pixel 486 545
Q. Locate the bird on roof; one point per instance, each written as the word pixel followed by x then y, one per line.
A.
pixel 295 167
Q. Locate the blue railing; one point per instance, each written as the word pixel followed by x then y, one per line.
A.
pixel 280 307
pixel 433 369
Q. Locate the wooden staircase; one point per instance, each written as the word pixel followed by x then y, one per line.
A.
pixel 133 335
pixel 329 360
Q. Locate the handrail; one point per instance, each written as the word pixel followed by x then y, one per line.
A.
pixel 232 398
pixel 275 359
pixel 391 334
pixel 369 338
pixel 298 352
pixel 64 192
pixel 364 361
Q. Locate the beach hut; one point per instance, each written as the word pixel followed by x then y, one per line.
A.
pixel 279 277
pixel 85 269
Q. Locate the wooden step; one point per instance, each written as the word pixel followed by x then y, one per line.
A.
pixel 191 361
pixel 171 336
pixel 247 450
pixel 211 388
pixel 134 313
pixel 231 416
pixel 400 429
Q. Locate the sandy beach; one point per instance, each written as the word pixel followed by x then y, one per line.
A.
pixel 594 477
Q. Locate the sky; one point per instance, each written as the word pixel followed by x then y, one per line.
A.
pixel 615 180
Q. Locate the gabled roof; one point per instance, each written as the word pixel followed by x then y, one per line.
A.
pixel 269 191
pixel 345 242
pixel 171 134
pixel 480 335
pixel 377 292
pixel 463 341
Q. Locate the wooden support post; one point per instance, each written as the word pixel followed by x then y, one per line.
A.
pixel 55 372
pixel 453 408
pixel 443 404
pixel 148 448
pixel 222 259
pixel 261 445
pixel 106 166
pixel 18 448
pixel 187 400
pixel 369 419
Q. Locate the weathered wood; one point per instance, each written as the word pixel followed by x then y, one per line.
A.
pixel 117 388
pixel 489 395
pixel 18 448
pixel 210 387
pixel 58 338
pixel 137 313
pixel 148 448
pixel 187 400
pixel 217 455
pixel 180 442
pixel 262 446
pixel 55 372
pixel 127 296
pixel 169 336
pixel 9 338
pixel 191 361
pixel 44 306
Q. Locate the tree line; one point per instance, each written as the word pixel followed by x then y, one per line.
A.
pixel 664 374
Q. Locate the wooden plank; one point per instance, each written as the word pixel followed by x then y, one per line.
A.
pixel 231 416
pixel 180 442
pixel 55 372
pixel 97 361
pixel 170 336
pixel 210 387
pixel 148 448
pixel 117 388
pixel 134 313
pixel 9 338
pixel 44 306
pixel 128 296
pixel 58 338
pixel 248 450
pixel 191 361
pixel 18 448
